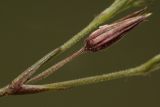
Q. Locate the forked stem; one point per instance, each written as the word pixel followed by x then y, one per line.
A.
pixel 148 67
pixel 18 84
pixel 117 7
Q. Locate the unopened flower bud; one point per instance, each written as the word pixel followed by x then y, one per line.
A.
pixel 108 34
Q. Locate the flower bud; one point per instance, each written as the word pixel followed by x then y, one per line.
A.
pixel 108 34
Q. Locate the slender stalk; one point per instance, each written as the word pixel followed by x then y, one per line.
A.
pixel 148 67
pixel 106 15
pixel 57 66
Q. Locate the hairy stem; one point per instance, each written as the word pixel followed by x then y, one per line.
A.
pixel 136 71
pixel 148 67
pixel 57 66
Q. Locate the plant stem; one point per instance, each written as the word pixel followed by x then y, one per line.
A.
pixel 148 67
pixel 106 15
pixel 141 70
pixel 137 71
pixel 57 66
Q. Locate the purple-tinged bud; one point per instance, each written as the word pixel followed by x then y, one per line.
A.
pixel 108 34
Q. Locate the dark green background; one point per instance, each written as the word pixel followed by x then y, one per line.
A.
pixel 31 28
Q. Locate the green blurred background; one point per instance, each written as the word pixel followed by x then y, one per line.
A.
pixel 29 29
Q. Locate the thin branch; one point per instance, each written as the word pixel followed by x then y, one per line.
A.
pixel 57 66
pixel 148 67
pixel 106 15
